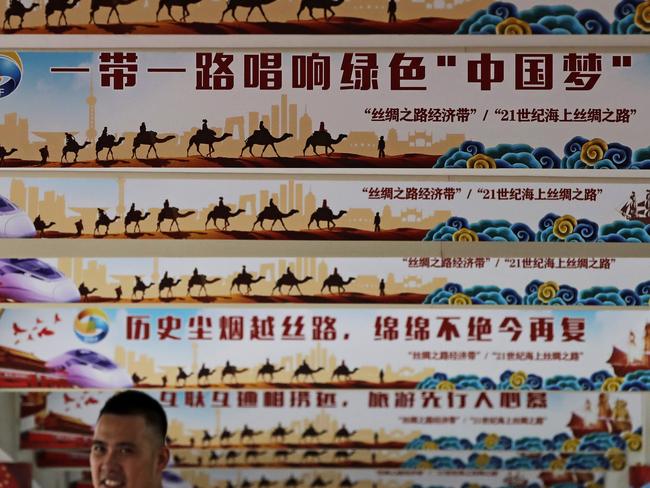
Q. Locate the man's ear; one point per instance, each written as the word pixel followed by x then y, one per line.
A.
pixel 163 458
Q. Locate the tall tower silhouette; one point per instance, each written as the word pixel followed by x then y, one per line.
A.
pixel 155 276
pixel 121 207
pixel 91 133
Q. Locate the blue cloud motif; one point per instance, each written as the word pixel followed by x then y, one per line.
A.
pixel 625 8
pixel 542 19
pixel 617 156
pixel 566 295
pixel 624 13
pixel 625 231
pixel 587 462
pixel 494 462
pixel 487 230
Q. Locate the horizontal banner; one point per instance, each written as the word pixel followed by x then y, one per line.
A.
pixel 15 475
pixel 469 462
pixel 332 17
pixel 227 478
pixel 325 209
pixel 382 280
pixel 289 424
pixel 462 349
pixel 251 109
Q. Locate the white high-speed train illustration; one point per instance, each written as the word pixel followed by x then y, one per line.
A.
pixel 14 222
pixel 32 280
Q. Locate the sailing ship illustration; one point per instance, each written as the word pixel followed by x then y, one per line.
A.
pixel 623 364
pixel 609 420
pixel 634 209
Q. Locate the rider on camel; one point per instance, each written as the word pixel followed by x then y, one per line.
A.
pixel 263 130
pixel 322 130
pixel 69 139
pixel 206 130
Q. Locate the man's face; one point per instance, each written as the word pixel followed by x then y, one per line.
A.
pixel 126 454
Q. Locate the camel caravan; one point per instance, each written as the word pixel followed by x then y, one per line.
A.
pixel 205 136
pixel 168 221
pixel 18 9
pixel 230 374
pixel 242 284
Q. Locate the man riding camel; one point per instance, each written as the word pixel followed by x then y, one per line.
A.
pixel 206 130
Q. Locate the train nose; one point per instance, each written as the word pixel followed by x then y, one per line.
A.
pixel 18 226
pixel 66 292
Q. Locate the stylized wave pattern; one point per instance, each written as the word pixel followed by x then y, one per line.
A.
pixel 519 380
pixel 539 292
pixel 504 18
pixel 579 153
pixel 550 228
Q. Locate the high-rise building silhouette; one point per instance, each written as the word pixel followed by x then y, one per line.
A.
pixel 91 101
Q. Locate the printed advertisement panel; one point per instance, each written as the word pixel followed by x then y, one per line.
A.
pixel 337 348
pixel 274 111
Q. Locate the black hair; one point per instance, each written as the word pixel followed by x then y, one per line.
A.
pixel 133 402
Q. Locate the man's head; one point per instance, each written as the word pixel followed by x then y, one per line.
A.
pixel 128 449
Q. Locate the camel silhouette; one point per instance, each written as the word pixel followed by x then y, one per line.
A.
pixel 175 3
pixel 322 139
pixel 231 456
pixel 225 436
pixel 17 9
pixel 263 139
pixel 268 369
pixel 136 379
pixel 343 371
pixel 292 482
pixel 288 279
pixel 41 226
pixel 201 137
pixel 343 433
pixel 140 287
pixel 319 483
pixel 326 5
pixel 284 454
pixel 103 220
pixel 72 147
pixel 182 376
pixel 248 433
pixel 207 438
pixel 325 215
pixel 169 283
pixel 214 458
pixel 305 370
pixel 134 216
pixel 84 291
pixel 4 153
pixel 312 454
pixel 264 483
pixel 252 4
pixel 95 5
pixel 222 213
pixel 58 5
pixel 200 280
pixel 336 281
pixel 204 372
pixel 173 214
pixel 345 455
pixel 107 142
pixel 231 370
pixel 244 279
pixel 280 433
pixel 253 455
pixel 311 433
pixel 149 138
pixel 274 214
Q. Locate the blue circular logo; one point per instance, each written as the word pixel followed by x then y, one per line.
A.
pixel 91 325
pixel 11 71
